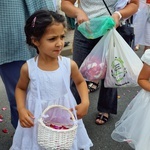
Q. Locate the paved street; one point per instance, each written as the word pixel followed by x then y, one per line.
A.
pixel 100 135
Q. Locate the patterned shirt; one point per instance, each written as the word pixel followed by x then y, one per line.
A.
pixel 98 8
pixel 13 14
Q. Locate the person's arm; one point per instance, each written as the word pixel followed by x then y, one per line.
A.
pixel 126 12
pixel 25 116
pixel 82 89
pixel 67 6
pixel 144 77
pixel 130 9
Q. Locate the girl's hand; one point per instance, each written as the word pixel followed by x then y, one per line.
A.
pixel 26 118
pixel 82 110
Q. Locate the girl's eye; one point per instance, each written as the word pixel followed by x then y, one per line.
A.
pixel 63 36
pixel 52 39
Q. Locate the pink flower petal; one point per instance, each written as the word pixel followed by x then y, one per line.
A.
pixel 5 131
pixel 1 120
pixel 1 117
pixel 4 108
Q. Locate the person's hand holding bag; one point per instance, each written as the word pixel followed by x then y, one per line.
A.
pixel 96 27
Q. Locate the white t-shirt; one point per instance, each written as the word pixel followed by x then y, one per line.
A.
pixel 95 8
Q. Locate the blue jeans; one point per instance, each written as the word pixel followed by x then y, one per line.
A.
pixel 10 73
pixel 107 100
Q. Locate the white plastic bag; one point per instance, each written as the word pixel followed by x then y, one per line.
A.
pixel 123 64
pixel 94 66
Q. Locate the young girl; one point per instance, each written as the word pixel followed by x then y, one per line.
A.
pixel 134 125
pixel 45 80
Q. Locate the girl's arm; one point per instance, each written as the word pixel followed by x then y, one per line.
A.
pixel 25 115
pixel 74 12
pixel 144 76
pixel 82 89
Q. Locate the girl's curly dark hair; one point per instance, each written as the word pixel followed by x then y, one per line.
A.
pixel 37 23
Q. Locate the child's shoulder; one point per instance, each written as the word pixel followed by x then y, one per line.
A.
pixel 146 57
pixel 68 61
pixel 32 59
pixel 31 63
pixel 65 59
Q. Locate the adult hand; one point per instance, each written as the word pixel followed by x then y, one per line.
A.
pixel 68 6
pixel 116 18
pixel 81 17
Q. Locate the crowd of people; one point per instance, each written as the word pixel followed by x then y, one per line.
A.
pixel 32 38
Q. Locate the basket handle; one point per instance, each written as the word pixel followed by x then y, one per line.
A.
pixel 67 87
pixel 59 106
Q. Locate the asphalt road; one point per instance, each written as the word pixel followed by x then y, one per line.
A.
pixel 100 135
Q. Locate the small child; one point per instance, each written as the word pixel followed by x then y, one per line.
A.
pixel 134 125
pixel 45 80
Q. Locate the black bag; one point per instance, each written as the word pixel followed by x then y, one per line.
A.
pixel 126 29
pixel 127 32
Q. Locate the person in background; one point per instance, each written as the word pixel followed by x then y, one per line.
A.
pixel 45 81
pixel 141 22
pixel 13 50
pixel 87 9
pixel 133 126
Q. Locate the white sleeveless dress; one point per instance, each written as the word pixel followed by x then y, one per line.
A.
pixel 52 90
pixel 134 125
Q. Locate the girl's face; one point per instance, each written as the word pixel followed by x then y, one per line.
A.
pixel 52 41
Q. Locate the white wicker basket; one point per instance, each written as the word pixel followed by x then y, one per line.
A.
pixel 50 138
